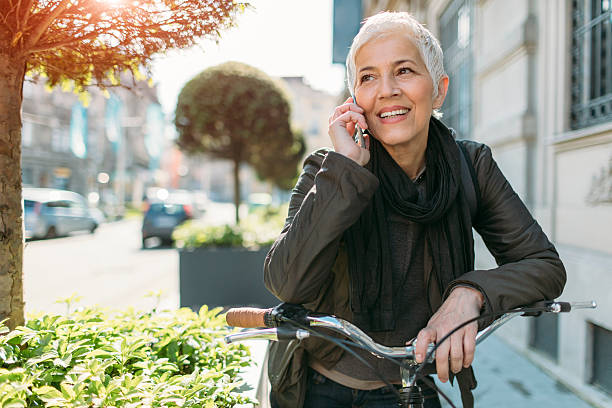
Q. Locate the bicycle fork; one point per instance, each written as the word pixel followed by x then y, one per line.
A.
pixel 410 396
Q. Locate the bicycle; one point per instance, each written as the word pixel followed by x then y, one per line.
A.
pixel 289 322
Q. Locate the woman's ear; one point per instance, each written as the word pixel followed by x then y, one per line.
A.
pixel 442 88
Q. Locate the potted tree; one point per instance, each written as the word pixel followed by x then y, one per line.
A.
pixel 222 265
pixel 235 112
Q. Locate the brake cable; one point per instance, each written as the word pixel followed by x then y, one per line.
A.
pixel 529 311
pixel 344 345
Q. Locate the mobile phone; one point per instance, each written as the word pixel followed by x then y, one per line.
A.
pixel 358 135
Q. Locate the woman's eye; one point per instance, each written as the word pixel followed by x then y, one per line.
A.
pixel 365 78
pixel 405 70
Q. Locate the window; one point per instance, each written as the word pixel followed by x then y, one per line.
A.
pixel 456 42
pixel 545 335
pixel 60 138
pixel 26 133
pixel 313 129
pixel 168 209
pixel 56 139
pixel 601 375
pixel 591 62
pixel 27 176
pixel 58 204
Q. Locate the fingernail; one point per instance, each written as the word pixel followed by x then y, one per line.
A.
pixel 419 357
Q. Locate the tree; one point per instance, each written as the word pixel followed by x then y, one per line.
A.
pixel 79 43
pixel 282 170
pixel 234 111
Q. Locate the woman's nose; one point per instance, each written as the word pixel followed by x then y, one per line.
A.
pixel 388 87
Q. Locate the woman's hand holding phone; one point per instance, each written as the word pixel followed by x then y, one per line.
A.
pixel 342 128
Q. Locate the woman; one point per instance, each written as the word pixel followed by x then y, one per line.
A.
pixel 381 234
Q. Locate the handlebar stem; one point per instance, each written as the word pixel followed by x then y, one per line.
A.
pixel 274 334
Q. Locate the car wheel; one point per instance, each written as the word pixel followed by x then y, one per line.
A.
pixel 51 232
pixel 93 228
pixel 144 243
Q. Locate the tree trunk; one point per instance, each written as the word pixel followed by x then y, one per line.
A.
pixel 237 189
pixel 12 74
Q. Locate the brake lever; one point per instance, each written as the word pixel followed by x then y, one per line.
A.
pixel 287 313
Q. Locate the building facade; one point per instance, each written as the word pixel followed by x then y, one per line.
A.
pixel 310 111
pixel 533 80
pixel 107 149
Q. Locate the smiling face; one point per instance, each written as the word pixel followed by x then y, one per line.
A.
pixel 395 89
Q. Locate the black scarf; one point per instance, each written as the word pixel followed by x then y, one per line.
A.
pixel 445 217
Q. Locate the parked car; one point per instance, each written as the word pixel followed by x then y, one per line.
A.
pixel 49 213
pixel 161 218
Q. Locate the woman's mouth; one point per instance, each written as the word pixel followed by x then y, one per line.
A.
pixel 394 113
pixel 393 116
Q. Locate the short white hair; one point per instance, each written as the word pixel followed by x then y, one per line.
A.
pixel 387 22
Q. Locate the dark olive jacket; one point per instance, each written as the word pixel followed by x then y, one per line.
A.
pixel 308 264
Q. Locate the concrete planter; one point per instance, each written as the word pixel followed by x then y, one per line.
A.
pixel 223 277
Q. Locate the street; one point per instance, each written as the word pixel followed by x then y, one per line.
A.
pixel 107 268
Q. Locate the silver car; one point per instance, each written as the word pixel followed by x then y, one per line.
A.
pixel 50 213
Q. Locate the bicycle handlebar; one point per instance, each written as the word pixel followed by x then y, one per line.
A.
pixel 287 322
pixel 247 317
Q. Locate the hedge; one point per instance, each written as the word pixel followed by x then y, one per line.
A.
pixel 97 358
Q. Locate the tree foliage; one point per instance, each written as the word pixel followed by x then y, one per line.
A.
pixel 90 42
pixel 283 169
pixel 235 111
pixel 80 43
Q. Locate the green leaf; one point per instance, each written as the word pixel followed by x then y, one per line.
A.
pixel 99 353
pixel 50 355
pixel 67 392
pixel 15 403
pixel 63 361
pixel 46 392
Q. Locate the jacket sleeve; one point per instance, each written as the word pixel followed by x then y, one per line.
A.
pixel 529 268
pixel 331 193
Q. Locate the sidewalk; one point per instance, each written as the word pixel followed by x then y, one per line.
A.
pixel 506 379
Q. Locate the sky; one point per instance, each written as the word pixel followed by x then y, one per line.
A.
pixel 280 37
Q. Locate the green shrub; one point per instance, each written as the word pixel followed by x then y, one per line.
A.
pixel 260 228
pixel 193 234
pixel 131 359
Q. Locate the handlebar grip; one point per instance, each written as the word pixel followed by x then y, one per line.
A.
pixel 246 317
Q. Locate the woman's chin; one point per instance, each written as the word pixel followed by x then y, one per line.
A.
pixel 396 139
pixel 406 134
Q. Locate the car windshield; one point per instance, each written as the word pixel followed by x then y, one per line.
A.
pixel 167 209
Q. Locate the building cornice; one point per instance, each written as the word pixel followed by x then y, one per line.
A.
pixel 577 139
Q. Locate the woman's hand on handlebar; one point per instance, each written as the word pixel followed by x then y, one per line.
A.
pixel 342 127
pixel 462 304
